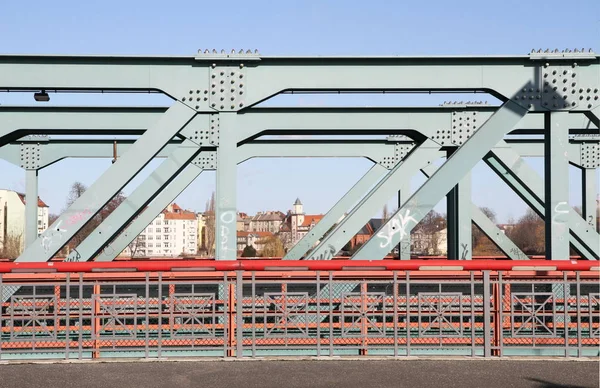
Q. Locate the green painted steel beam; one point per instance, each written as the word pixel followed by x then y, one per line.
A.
pixel 590 198
pixel 268 76
pixel 556 171
pixel 404 246
pixel 18 122
pixel 336 213
pixel 372 150
pixel 372 202
pixel 526 183
pixel 459 238
pixel 108 185
pixel 15 124
pixel 52 151
pixel 442 181
pixel 31 206
pixel 226 190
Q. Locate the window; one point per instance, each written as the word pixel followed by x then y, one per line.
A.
pixel 166 222
pixel 149 230
pixel 158 237
pixel 166 245
pixel 158 230
pixel 150 237
pixel 166 236
pixel 149 245
pixel 150 251
pixel 157 222
pixel 39 222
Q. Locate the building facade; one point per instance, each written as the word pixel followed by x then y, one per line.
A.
pixel 253 239
pixel 12 216
pixel 269 221
pixel 173 233
pixel 297 224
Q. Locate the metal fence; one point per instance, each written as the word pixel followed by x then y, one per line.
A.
pixel 391 308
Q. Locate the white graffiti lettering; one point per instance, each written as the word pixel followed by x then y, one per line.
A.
pixel 228 217
pixel 394 226
pixel 558 212
pixel 224 239
pixel 53 235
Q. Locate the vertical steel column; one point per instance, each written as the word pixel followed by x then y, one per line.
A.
pixel 459 238
pixel 31 206
pixel 404 245
pixel 589 191
pixel 226 215
pixel 556 170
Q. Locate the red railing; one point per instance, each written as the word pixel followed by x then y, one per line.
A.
pixel 299 265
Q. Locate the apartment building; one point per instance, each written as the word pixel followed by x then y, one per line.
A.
pixel 173 233
pixel 12 216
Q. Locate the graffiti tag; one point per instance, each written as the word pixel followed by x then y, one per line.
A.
pixel 52 236
pixel 327 254
pixel 396 225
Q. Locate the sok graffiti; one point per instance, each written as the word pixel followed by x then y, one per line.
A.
pixel 396 225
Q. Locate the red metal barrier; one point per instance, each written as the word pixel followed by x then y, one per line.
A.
pixel 301 265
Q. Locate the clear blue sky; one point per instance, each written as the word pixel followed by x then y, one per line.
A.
pixel 287 28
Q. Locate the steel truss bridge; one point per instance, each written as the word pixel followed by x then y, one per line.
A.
pixel 549 107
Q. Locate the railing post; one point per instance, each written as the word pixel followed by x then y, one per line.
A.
pixel 1 306
pixel 96 296
pixel 239 304
pixel 487 316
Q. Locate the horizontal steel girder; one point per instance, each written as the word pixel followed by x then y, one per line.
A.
pixel 182 77
pixel 16 122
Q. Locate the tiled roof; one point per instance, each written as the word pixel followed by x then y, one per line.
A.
pixel 180 216
pixel 269 216
pixel 309 219
pixel 40 202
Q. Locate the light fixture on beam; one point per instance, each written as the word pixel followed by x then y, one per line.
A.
pixel 41 96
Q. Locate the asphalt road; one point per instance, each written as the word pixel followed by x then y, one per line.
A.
pixel 306 373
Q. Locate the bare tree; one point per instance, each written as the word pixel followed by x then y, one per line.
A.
pixel 77 190
pixel 528 233
pixel 210 226
pixel 482 245
pixel 12 246
pixel 135 245
pixel 385 214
